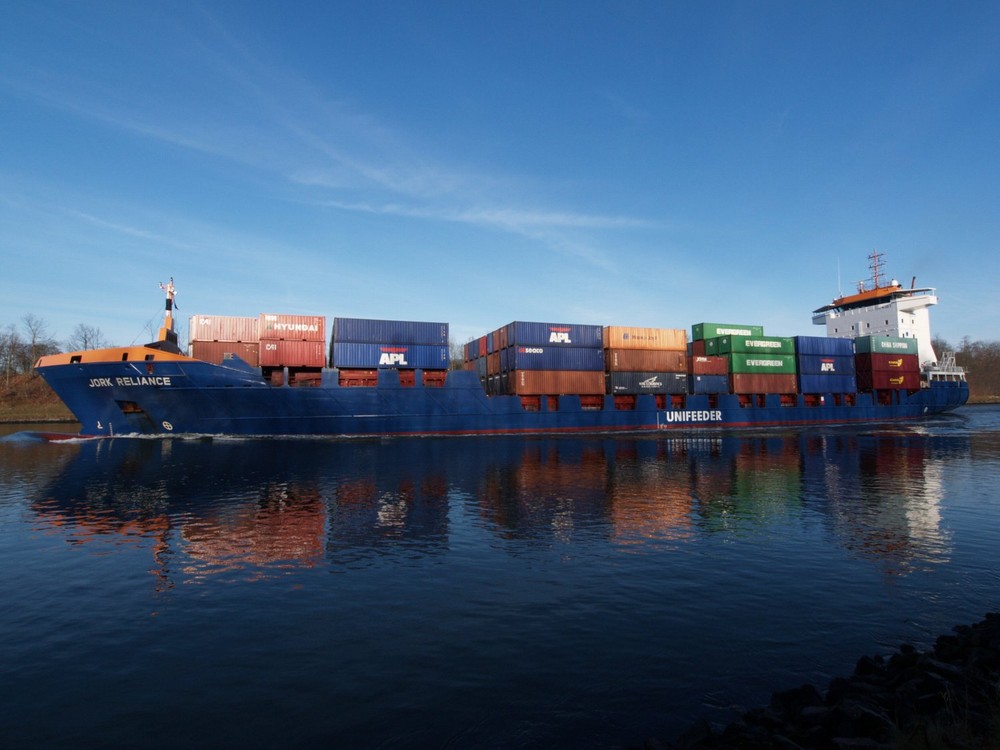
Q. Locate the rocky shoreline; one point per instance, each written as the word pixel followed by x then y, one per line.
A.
pixel 946 697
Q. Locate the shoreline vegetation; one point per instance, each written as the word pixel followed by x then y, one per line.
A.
pixel 27 398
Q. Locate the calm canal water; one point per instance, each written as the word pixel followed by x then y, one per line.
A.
pixel 473 593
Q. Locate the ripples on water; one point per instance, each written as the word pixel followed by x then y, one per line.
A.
pixel 473 593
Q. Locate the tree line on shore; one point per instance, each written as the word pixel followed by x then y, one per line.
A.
pixel 22 344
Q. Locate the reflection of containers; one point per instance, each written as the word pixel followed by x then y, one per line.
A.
pixel 630 337
pixel 713 330
pixel 277 327
pixel 554 382
pixel 629 383
pixel 371 331
pixel 762 383
pixel 292 354
pixel 640 360
pixel 885 345
pixel 223 328
pixel 217 351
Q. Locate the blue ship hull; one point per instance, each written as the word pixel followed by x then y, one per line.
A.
pixel 191 397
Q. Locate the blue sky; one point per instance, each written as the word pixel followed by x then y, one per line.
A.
pixel 624 163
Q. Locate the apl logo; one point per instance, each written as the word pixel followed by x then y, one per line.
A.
pixel 559 336
pixel 393 356
pixel 827 365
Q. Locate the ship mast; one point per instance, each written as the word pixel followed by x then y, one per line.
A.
pixel 167 332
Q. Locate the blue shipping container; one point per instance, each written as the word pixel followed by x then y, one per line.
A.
pixel 520 333
pixel 372 356
pixel 554 358
pixel 369 331
pixel 708 383
pixel 828 383
pixel 824 345
pixel 629 383
pixel 826 364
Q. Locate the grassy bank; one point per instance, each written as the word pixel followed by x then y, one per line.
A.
pixel 27 398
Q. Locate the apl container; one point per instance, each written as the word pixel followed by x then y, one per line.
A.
pixel 278 327
pixel 426 356
pixel 520 333
pixel 824 345
pixel 373 331
pixel 629 337
pixel 838 383
pixel 885 345
pixel 826 364
pixel 641 360
pixel 713 330
pixel 223 328
pixel 629 383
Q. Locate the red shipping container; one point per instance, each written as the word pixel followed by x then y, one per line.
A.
pixel 888 381
pixel 698 348
pixel 482 346
pixel 763 383
pixel 292 354
pixel 644 360
pixel 887 363
pixel 555 382
pixel 493 363
pixel 216 351
pixel 222 328
pixel 706 365
pixel 274 327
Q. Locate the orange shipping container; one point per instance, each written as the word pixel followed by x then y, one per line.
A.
pixel 629 337
pixel 275 327
pixel 222 328
pixel 292 354
pixel 216 351
pixel 642 360
pixel 556 382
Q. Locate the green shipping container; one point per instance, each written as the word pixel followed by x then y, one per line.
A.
pixel 884 345
pixel 743 362
pixel 754 345
pixel 701 331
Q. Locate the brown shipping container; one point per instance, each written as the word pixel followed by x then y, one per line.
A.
pixel 895 363
pixel 222 328
pixel 762 383
pixel 556 382
pixel 888 380
pixel 629 337
pixel 698 348
pixel 216 351
pixel 705 365
pixel 640 360
pixel 292 354
pixel 274 327
pixel 493 363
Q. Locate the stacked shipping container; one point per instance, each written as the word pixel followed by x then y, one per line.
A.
pixel 887 363
pixel 292 341
pixel 825 365
pixel 214 338
pixel 757 363
pixel 359 347
pixel 645 360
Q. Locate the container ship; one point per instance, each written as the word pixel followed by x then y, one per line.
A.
pixel 279 375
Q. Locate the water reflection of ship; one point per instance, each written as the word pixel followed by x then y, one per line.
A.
pixel 220 506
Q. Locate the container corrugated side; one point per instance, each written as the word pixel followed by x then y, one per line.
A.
pixel 708 384
pixel 824 345
pixel 281 327
pixel 631 337
pixel 554 383
pixel 826 364
pixel 216 351
pixel 751 345
pixel 645 360
pixel 522 333
pixel 840 383
pixel 763 383
pixel 284 353
pixel 375 331
pixel 223 328
pixel 885 345
pixel 887 363
pixel 888 380
pixel 713 330
pixel 762 364
pixel 629 383
pixel 708 365
pixel 554 358
pixel 427 356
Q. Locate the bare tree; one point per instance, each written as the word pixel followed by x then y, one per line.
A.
pixel 10 346
pixel 39 342
pixel 86 337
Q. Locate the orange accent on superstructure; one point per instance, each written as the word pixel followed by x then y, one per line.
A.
pixel 111 354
